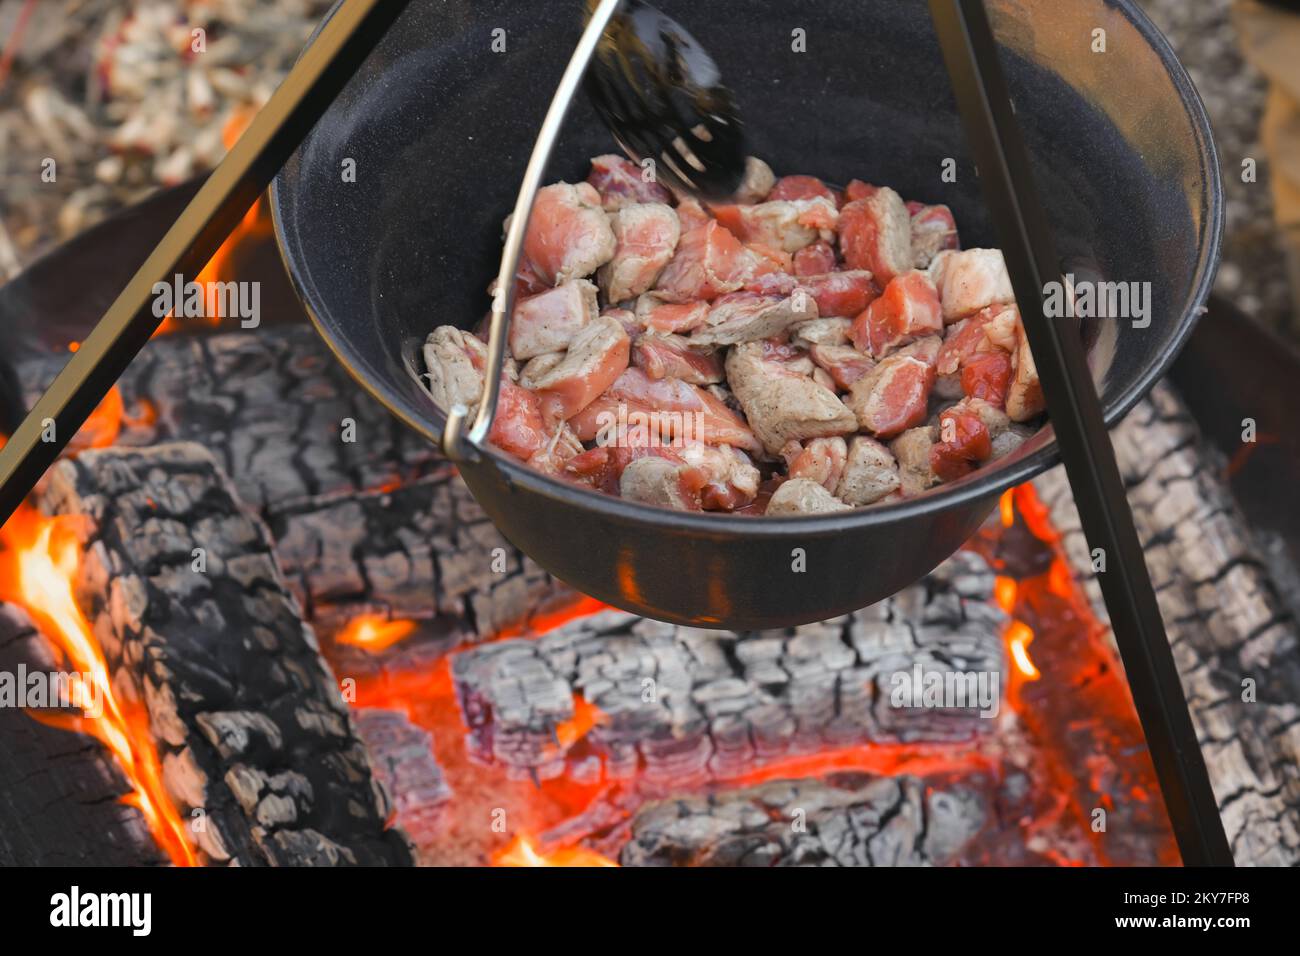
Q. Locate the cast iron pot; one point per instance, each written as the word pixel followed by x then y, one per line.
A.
pixel 440 126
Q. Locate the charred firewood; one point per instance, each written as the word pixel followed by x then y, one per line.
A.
pixel 278 413
pixel 258 750
pixel 1234 639
pixel 367 517
pixel 681 705
pixel 60 793
pixel 422 551
pixel 843 820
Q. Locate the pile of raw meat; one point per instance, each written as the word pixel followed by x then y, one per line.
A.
pixel 801 350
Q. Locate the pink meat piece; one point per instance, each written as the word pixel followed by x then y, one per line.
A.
pixel 632 325
pixel 596 357
pixel 710 262
pixel 756 183
pixel 768 261
pixel 548 322
pixel 857 189
pixel 692 215
pixel 933 230
pixel 622 182
pixel 844 294
pixel 788 225
pixel 821 460
pixel 876 235
pixel 1025 398
pixel 845 364
pixel 560 448
pixel 802 187
pixel 780 404
pixel 718 479
pixel 670 356
pixel 771 283
pixel 964 443
pixel 746 317
pixel 518 426
pixel 907 309
pixel 971 280
pixel 892 397
pixel 455 360
pixel 662 402
pixel 656 315
pixel 645 236
pixel 569 236
pixel 815 259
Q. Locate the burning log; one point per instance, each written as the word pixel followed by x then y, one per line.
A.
pixel 843 820
pixel 45 767
pixel 376 525
pixel 681 705
pixel 1234 639
pixel 258 752
pixel 420 551
pixel 403 758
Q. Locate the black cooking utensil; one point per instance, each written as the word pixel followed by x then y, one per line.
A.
pixel 1006 175
pixel 661 96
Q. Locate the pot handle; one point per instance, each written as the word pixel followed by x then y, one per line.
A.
pixel 462 440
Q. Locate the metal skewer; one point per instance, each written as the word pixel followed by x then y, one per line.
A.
pixel 971 55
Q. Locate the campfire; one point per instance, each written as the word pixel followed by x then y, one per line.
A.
pixel 315 650
pixel 512 722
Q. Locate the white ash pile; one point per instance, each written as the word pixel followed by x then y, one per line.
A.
pixel 124 98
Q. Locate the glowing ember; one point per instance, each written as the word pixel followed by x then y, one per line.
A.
pixel 585 716
pixel 37 568
pixel 521 852
pixel 374 634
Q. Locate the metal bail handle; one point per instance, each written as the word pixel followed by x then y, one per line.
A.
pixel 459 442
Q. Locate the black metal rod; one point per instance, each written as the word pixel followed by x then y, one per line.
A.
pixel 315 80
pixel 971 55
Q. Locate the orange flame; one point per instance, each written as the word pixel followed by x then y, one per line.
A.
pixel 1007 507
pixel 585 716
pixel 37 569
pixel 522 852
pixel 256 223
pixel 374 633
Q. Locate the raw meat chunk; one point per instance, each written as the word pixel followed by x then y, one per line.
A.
pixel 908 309
pixel 548 322
pixel 800 496
pixel 815 259
pixel 870 473
pixel 622 182
pixel 568 236
pixel 597 356
pixel 892 397
pixel 876 235
pixel 746 317
pixel 645 236
pixel 710 262
pixel 782 405
pixel 969 281
pixel 933 230
pixel 670 356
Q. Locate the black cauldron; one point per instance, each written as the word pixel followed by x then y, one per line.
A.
pixel 439 125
